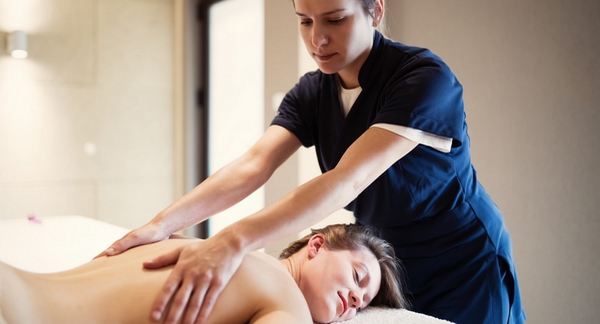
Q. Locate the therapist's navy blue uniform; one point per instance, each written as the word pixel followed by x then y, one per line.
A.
pixel 444 227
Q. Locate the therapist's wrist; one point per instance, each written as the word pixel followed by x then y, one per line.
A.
pixel 162 225
pixel 234 238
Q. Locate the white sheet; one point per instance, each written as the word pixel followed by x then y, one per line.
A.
pixel 52 244
pixel 378 315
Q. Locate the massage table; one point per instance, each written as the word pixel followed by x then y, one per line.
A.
pixel 52 244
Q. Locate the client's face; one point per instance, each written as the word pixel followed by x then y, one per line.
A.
pixel 336 284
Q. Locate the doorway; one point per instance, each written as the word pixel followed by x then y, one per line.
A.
pixel 232 35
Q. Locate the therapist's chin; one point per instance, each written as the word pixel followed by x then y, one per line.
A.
pixel 328 67
pixel 327 70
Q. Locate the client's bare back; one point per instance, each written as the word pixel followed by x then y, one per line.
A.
pixel 118 290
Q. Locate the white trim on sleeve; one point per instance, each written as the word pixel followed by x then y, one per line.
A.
pixel 440 143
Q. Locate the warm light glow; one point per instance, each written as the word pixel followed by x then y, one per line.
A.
pixel 19 54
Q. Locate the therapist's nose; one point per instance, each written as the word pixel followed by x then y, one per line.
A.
pixel 319 37
pixel 355 300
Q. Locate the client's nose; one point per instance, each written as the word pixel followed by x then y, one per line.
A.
pixel 355 300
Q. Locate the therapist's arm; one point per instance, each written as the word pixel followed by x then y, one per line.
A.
pixel 364 161
pixel 202 271
pixel 226 187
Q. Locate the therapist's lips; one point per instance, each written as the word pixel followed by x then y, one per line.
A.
pixel 324 57
pixel 344 304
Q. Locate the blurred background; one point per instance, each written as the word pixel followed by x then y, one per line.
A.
pixel 122 106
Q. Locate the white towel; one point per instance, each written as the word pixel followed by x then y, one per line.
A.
pixel 380 315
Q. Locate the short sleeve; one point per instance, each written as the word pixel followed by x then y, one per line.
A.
pixel 294 113
pixel 425 95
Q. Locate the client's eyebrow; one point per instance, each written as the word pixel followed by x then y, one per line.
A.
pixel 323 14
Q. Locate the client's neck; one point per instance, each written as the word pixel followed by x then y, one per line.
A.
pixel 293 264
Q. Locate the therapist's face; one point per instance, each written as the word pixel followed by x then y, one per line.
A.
pixel 338 34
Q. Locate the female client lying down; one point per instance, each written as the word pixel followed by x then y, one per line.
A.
pixel 326 276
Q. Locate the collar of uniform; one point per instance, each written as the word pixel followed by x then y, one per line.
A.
pixel 368 70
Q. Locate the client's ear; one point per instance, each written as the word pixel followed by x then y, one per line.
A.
pixel 315 244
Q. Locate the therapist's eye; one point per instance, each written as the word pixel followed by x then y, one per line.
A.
pixel 305 22
pixel 336 21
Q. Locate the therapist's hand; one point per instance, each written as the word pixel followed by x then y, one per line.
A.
pixel 146 234
pixel 203 269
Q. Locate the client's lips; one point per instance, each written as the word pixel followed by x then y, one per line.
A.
pixel 344 304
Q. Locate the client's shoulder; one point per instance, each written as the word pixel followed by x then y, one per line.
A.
pixel 264 278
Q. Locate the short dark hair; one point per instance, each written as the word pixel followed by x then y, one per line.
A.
pixel 355 237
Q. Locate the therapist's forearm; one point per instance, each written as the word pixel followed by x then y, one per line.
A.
pixel 310 203
pixel 225 188
pixel 298 210
pixel 231 183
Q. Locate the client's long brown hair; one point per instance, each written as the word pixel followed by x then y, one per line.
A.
pixel 355 237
